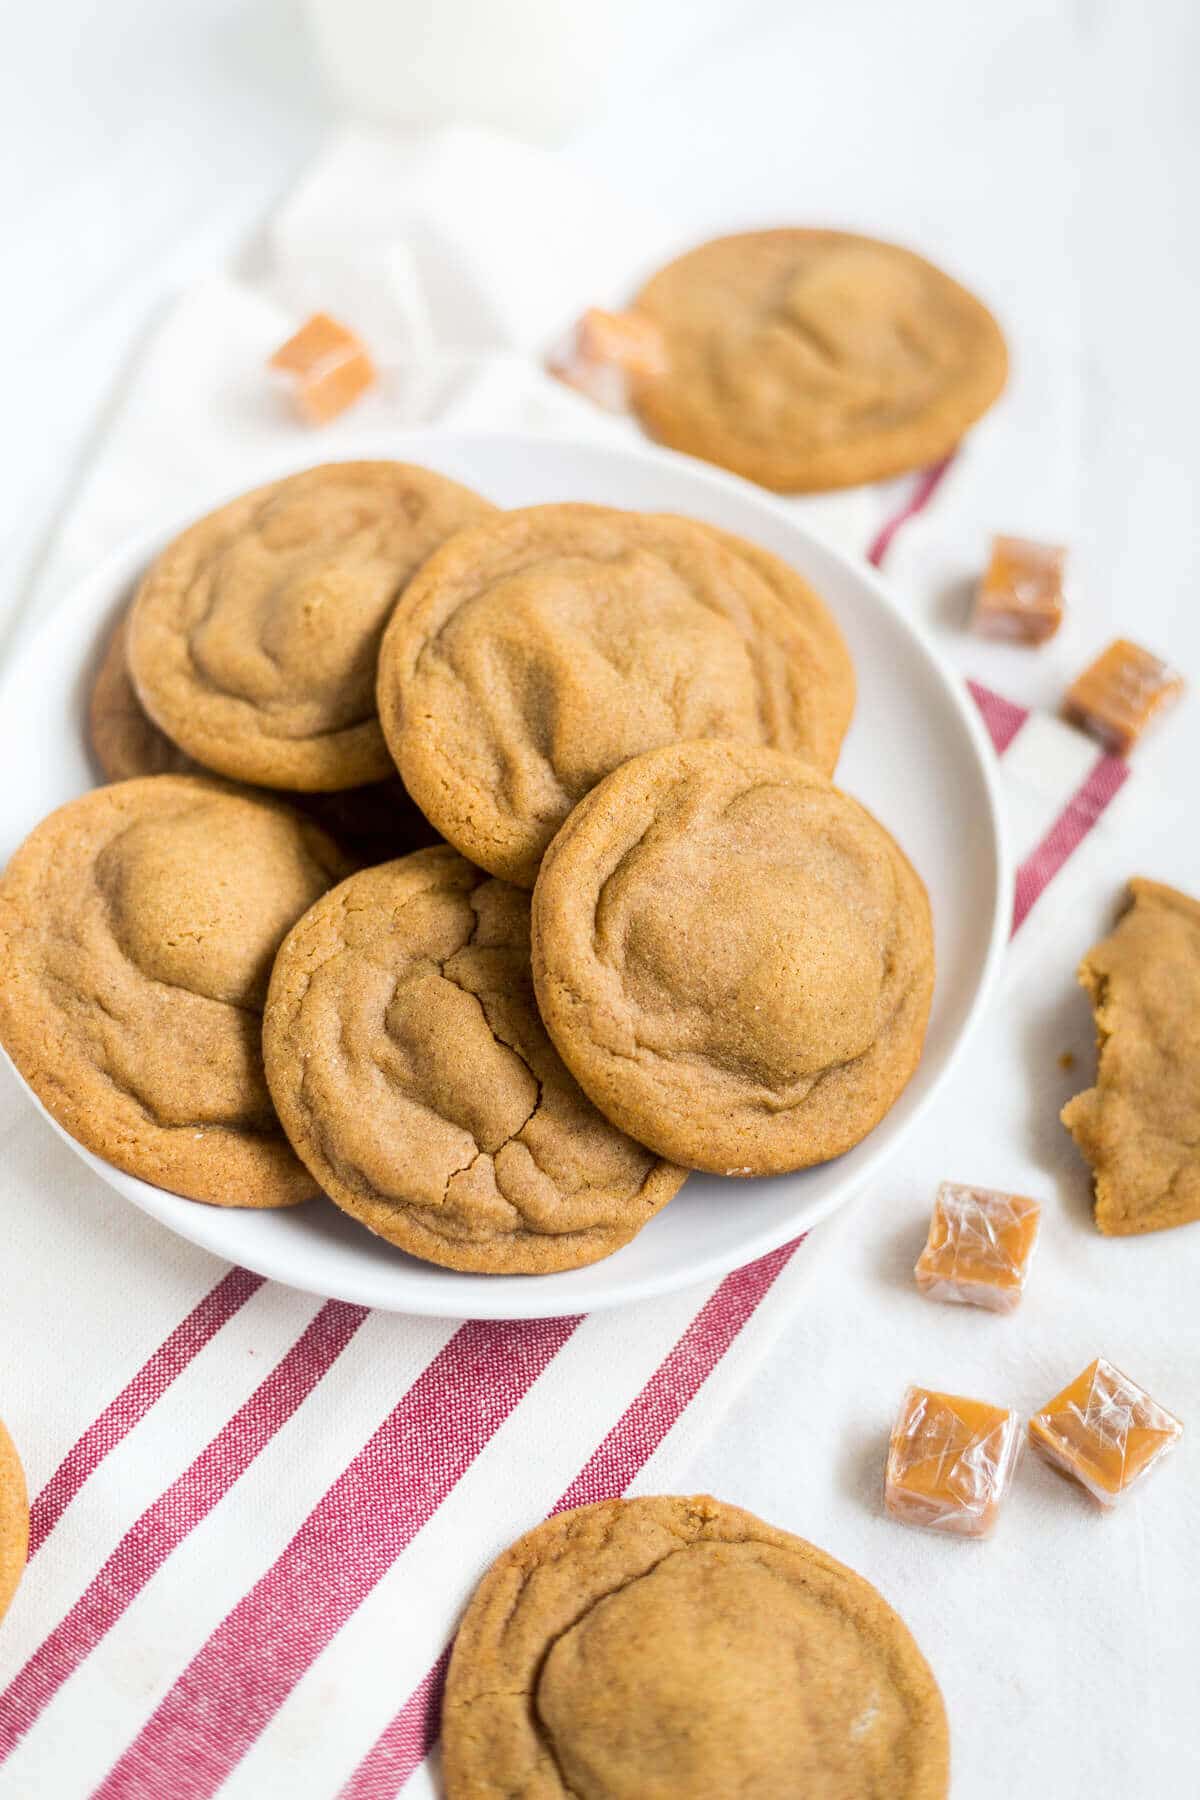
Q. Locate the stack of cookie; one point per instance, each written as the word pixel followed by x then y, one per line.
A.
pixel 481 870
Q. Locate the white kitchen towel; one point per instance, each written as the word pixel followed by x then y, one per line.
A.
pixel 256 1516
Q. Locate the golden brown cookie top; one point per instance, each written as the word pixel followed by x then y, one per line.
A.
pixel 1139 1126
pixel 816 359
pixel 125 740
pixel 413 1075
pixel 254 636
pixel 14 1520
pixel 681 1649
pixel 534 654
pixel 733 958
pixel 138 925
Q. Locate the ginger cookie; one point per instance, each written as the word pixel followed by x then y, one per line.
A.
pixel 254 636
pixel 414 1077
pixel 733 958
pixel 1139 1127
pixel 14 1520
pixel 536 653
pixel 681 1649
pixel 371 823
pixel 815 359
pixel 138 925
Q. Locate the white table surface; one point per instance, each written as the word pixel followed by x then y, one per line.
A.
pixel 1048 152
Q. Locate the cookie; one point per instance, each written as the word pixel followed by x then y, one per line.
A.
pixel 14 1520
pixel 1139 1127
pixel 681 1649
pixel 815 359
pixel 414 1077
pixel 536 653
pixel 254 636
pixel 733 958
pixel 371 823
pixel 138 925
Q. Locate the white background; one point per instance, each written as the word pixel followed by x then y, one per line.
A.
pixel 1048 154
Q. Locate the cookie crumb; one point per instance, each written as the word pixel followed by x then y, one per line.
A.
pixel 1066 1059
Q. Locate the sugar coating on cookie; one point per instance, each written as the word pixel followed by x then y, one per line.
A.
pixel 14 1520
pixel 734 958
pixel 681 1647
pixel 138 925
pixel 1139 1126
pixel 815 359
pixel 535 654
pixel 254 636
pixel 413 1075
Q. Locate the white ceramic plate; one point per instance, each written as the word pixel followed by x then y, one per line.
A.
pixel 916 755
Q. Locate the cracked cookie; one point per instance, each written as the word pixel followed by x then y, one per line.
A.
pixel 733 958
pixel 815 359
pixel 254 636
pixel 371 823
pixel 14 1520
pixel 681 1649
pixel 536 653
pixel 1139 1127
pixel 413 1075
pixel 138 925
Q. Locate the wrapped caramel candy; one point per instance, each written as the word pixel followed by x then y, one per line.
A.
pixel 328 366
pixel 1104 1431
pixel 979 1248
pixel 1021 594
pixel 606 352
pixel 950 1461
pixel 1118 695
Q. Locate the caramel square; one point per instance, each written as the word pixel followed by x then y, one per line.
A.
pixel 1118 695
pixel 1021 594
pixel 607 352
pixel 950 1462
pixel 980 1246
pixel 329 365
pixel 1104 1431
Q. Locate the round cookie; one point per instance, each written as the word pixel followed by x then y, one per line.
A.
pixel 372 823
pixel 680 1649
pixel 534 654
pixel 815 359
pixel 138 925
pixel 254 636
pixel 413 1075
pixel 733 958
pixel 14 1520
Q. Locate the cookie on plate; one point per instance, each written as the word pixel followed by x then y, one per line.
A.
pixel 14 1520
pixel 1139 1126
pixel 534 654
pixel 413 1075
pixel 733 958
pixel 138 925
pixel 254 635
pixel 815 359
pixel 683 1649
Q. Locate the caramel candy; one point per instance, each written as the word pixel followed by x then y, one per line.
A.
pixel 1104 1430
pixel 330 367
pixel 606 351
pixel 1021 594
pixel 949 1462
pixel 979 1248
pixel 1117 696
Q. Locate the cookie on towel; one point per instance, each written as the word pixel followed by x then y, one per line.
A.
pixel 536 653
pixel 14 1520
pixel 254 636
pixel 815 359
pixel 138 925
pixel 413 1075
pixel 680 1649
pixel 734 959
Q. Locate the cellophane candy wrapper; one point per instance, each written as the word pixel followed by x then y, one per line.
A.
pixel 950 1462
pixel 980 1247
pixel 1104 1431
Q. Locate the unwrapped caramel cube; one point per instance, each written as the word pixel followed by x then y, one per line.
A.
pixel 1104 1431
pixel 606 352
pixel 1021 594
pixel 1118 695
pixel 329 367
pixel 949 1462
pixel 979 1248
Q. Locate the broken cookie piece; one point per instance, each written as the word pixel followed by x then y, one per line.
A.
pixel 1139 1126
